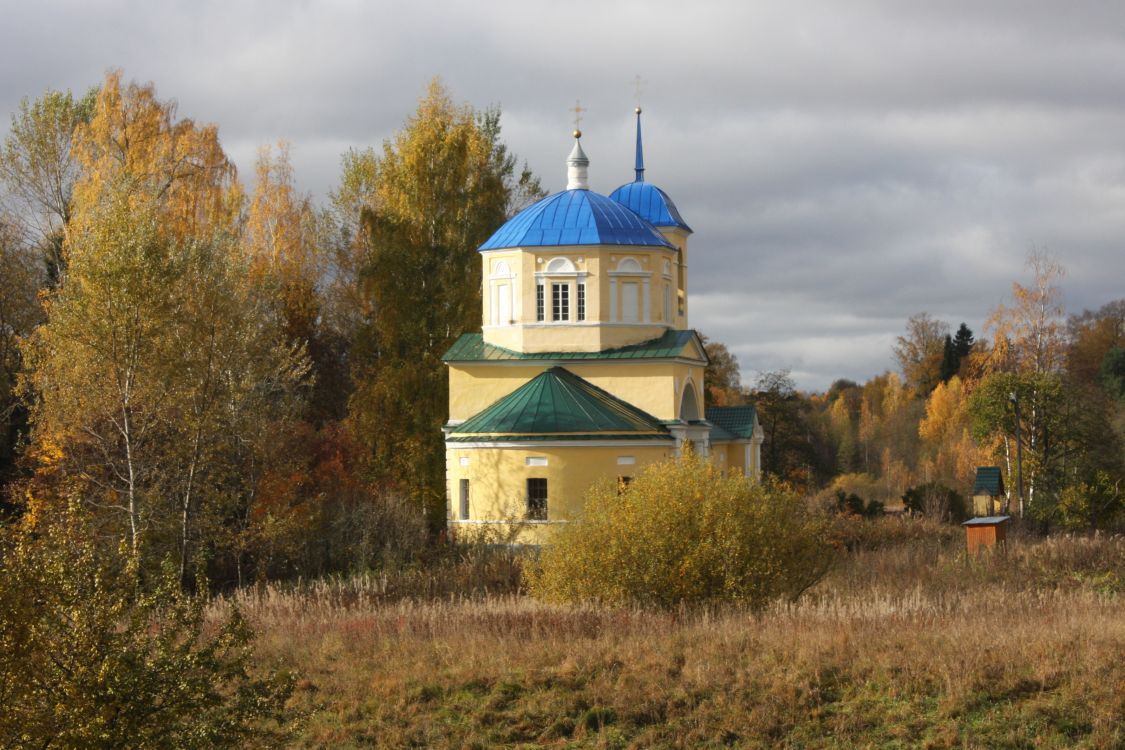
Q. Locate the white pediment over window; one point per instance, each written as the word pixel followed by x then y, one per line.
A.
pixel 629 265
pixel 502 269
pixel 560 265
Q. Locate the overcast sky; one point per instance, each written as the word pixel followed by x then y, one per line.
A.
pixel 843 165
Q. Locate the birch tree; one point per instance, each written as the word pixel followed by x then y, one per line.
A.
pixel 154 364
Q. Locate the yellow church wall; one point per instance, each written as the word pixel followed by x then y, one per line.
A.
pixel 603 327
pixel 570 337
pixel 653 387
pixel 735 455
pixel 742 456
pixel 472 388
pixel 679 238
pixel 498 483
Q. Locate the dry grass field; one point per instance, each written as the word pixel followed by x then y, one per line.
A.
pixel 905 645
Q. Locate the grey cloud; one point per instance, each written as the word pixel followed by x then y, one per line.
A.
pixel 844 165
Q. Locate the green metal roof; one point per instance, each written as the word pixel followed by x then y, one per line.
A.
pixel 471 347
pixel 736 421
pixel 559 405
pixel 989 481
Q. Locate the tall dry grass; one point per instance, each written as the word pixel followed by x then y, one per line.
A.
pixel 905 645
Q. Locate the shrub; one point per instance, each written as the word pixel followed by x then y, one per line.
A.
pixel 935 500
pixel 683 533
pixel 853 503
pixel 1096 504
pixel 90 657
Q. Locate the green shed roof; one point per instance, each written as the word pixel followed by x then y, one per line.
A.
pixel 559 405
pixel 471 347
pixel 737 421
pixel 989 481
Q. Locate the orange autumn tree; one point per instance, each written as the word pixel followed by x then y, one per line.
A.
pixel 950 453
pixel 280 238
pixel 135 137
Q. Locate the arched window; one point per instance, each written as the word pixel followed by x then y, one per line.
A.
pixel 689 406
pixel 560 293
pixel 629 265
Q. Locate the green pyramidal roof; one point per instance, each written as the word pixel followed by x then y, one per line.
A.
pixel 989 481
pixel 559 405
pixel 736 421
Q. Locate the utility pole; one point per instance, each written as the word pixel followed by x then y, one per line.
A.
pixel 1015 399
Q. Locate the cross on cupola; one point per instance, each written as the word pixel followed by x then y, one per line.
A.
pixel 577 109
pixel 577 162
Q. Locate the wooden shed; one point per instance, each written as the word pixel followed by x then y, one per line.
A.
pixel 988 491
pixel 989 531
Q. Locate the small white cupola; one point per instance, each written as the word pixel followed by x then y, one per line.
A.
pixel 576 165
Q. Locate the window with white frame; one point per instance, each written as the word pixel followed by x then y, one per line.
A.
pixel 563 288
pixel 539 302
pixel 560 302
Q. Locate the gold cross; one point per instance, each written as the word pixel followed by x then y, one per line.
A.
pixel 577 109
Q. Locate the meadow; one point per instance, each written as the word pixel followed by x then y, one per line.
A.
pixel 906 643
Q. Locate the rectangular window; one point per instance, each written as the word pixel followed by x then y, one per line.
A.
pixel 464 499
pixel 537 499
pixel 536 461
pixel 630 302
pixel 581 300
pixel 539 302
pixel 505 312
pixel 560 302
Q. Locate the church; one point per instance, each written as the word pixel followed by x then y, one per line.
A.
pixel 585 367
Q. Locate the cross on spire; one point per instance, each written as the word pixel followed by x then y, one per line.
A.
pixel 577 109
pixel 638 84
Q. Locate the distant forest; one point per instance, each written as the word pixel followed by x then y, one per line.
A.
pixel 1041 395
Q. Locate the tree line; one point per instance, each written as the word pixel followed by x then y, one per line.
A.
pixel 1041 395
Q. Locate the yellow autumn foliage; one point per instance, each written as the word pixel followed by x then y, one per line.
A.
pixel 683 533
pixel 134 137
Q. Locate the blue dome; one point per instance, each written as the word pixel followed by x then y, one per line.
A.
pixel 651 203
pixel 575 217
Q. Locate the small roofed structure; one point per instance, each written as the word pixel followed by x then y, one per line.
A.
pixel 988 491
pixel 736 431
pixel 989 531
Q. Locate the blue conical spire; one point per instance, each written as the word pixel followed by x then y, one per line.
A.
pixel 640 167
